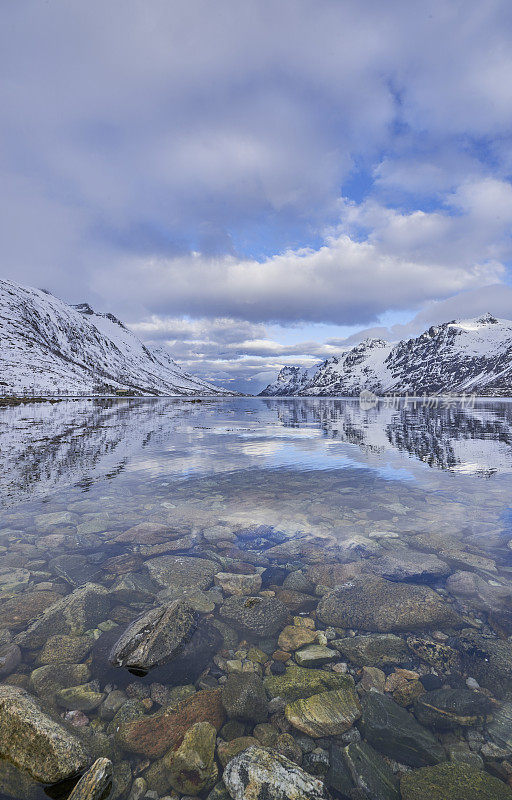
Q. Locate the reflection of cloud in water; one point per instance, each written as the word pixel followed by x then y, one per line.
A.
pixel 43 447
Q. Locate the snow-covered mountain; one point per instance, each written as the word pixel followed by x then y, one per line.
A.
pixel 48 346
pixel 472 356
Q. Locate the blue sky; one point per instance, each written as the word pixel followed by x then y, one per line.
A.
pixel 258 183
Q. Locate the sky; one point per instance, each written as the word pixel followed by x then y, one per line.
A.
pixel 258 183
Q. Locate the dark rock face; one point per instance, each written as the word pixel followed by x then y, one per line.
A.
pixel 394 732
pixel 403 564
pixel 487 659
pixel 155 638
pixel 453 782
pixel 244 698
pixel 451 708
pixel 374 604
pixel 370 772
pixel 262 616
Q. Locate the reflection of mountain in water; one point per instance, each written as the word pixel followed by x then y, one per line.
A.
pixel 43 447
pixel 469 440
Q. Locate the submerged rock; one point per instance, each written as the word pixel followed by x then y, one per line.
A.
pixel 10 657
pixel 370 772
pixel 244 697
pixel 404 564
pixel 232 583
pixel 315 655
pixel 182 572
pixel 262 616
pixel 395 733
pixel 453 781
pixel 325 714
pixel 80 698
pixel 261 774
pixel 374 604
pixel 487 659
pixel 451 708
pixel 33 741
pixel 96 783
pixel 373 650
pixel 300 682
pixel 192 767
pixel 154 638
pixel 73 614
pixel 154 735
pixel 293 637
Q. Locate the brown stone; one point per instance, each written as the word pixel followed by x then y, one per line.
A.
pixel 154 735
pixel 146 533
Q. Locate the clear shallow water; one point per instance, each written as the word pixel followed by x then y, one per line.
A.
pixel 332 482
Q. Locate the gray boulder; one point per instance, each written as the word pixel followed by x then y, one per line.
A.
pixel 261 774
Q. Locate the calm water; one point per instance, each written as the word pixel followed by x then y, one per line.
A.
pixel 252 485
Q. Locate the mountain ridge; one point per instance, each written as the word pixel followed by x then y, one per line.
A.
pixel 49 347
pixel 468 356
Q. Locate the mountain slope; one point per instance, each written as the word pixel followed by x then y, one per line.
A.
pixel 50 347
pixel 472 356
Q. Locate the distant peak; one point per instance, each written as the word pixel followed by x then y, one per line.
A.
pixel 84 308
pixel 487 319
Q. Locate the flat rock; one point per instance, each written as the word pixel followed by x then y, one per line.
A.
pixel 146 533
pixel 500 729
pixel 10 657
pixel 487 659
pixel 182 572
pixel 34 742
pixel 370 772
pixel 75 569
pixel 154 735
pixel 315 655
pixel 154 638
pixel 452 781
pixel 445 709
pixel 373 650
pixel 80 698
pixel 299 682
pixel 96 783
pixel 325 714
pixel 63 649
pixel 46 681
pixel 263 616
pixel 395 733
pixel 374 604
pixel 73 614
pixel 261 774
pixel 17 611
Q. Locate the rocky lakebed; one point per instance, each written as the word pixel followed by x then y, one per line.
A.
pixel 256 635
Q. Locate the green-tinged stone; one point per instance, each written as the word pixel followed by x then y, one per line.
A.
pixel 192 766
pixel 395 733
pixel 17 784
pixel 325 714
pixel 299 682
pixel 315 655
pixel 452 782
pixel 96 783
pixel 370 772
pixel 47 680
pixel 33 741
pixel 81 698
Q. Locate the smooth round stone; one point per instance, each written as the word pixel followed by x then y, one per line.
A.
pixel 325 714
pixel 452 781
pixel 80 698
pixel 235 584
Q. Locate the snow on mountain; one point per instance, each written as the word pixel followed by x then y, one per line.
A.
pixel 472 356
pixel 50 347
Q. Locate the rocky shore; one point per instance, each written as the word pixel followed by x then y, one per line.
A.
pixel 241 663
